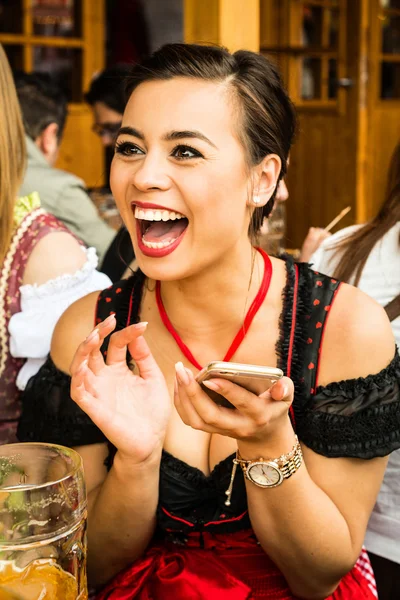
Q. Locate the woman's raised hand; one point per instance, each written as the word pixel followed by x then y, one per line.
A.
pixel 257 418
pixel 131 410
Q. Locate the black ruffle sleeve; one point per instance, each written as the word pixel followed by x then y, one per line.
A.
pixel 50 415
pixel 357 418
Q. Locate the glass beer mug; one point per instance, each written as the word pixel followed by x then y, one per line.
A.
pixel 42 523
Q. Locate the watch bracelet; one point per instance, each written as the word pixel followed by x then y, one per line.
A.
pixel 288 463
pixel 292 465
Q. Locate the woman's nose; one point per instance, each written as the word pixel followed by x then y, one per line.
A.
pixel 151 173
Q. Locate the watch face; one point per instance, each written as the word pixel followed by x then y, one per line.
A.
pixel 265 474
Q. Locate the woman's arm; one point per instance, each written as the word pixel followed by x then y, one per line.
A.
pixel 121 510
pixel 123 502
pixel 56 254
pixel 313 524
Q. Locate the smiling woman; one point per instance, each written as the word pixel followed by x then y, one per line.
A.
pixel 203 145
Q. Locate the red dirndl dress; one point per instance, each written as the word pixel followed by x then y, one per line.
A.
pixel 213 564
pixel 216 567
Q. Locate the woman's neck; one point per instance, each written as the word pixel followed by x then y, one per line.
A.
pixel 215 300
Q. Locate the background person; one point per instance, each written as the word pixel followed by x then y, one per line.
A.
pixel 368 256
pixel 44 111
pixel 43 268
pixel 107 98
pixel 273 230
pixel 204 142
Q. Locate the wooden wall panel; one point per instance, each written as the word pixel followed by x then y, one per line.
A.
pixel 81 151
pixel 384 135
pixel 231 23
pixel 321 178
pixel 383 119
pixel 323 175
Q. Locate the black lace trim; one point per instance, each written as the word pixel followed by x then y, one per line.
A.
pixel 124 309
pixel 300 335
pixel 285 319
pixel 61 421
pixel 350 388
pixel 366 434
pixel 182 469
pixel 122 298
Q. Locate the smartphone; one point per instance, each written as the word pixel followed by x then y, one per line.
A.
pixel 253 378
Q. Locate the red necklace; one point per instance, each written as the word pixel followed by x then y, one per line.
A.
pixel 257 302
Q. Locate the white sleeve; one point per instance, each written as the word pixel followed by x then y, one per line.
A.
pixel 41 306
pixel 326 258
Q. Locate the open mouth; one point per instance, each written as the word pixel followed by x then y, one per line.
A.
pixel 159 229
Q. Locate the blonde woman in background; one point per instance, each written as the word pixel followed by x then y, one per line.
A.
pixel 368 256
pixel 43 267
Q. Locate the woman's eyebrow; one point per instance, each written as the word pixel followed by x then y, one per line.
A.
pixel 179 135
pixel 131 131
pixel 170 136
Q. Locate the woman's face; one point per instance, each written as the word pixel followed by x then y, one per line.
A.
pixel 179 177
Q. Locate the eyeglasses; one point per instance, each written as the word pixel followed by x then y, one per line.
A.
pixel 108 129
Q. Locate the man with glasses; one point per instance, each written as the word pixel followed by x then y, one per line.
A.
pixel 106 96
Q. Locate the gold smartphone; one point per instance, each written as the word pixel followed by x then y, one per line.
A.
pixel 253 378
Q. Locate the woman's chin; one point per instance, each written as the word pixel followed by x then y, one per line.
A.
pixel 172 266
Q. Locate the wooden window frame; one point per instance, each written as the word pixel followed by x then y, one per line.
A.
pixel 86 43
pixel 290 51
pixel 378 58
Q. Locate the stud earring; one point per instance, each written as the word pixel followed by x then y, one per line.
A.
pixel 256 199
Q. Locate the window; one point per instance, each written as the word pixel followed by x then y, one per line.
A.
pixel 46 35
pixel 389 49
pixel 307 40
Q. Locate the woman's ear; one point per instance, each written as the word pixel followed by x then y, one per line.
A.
pixel 265 180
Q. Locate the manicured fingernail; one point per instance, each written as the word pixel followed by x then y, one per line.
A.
pixel 284 392
pixel 110 319
pixel 92 335
pixel 182 374
pixel 212 385
pixel 141 325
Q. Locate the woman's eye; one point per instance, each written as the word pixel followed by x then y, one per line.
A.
pixel 186 152
pixel 127 149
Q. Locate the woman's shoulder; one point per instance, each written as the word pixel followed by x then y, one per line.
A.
pixel 354 410
pixel 358 338
pixel 56 253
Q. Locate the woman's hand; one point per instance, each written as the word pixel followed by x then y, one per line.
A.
pixel 256 420
pixel 131 410
pixel 313 240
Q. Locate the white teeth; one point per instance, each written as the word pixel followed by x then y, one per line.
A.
pixel 157 244
pixel 156 215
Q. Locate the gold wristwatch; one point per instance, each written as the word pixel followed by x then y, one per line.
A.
pixel 269 473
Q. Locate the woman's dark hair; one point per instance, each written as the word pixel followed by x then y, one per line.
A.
pixel 268 119
pixel 355 249
pixel 109 87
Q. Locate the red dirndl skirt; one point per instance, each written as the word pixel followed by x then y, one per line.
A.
pixel 215 567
